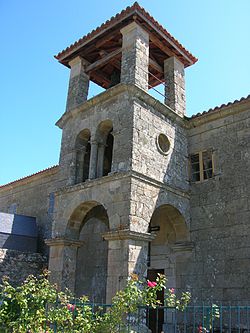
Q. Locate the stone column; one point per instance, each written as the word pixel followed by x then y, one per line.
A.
pixel 72 169
pixel 80 155
pixel 127 253
pixel 78 83
pixel 62 261
pixel 175 85
pixel 100 159
pixel 135 56
pixel 93 160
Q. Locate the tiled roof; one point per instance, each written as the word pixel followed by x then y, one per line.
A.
pixel 217 108
pixel 30 176
pixel 119 16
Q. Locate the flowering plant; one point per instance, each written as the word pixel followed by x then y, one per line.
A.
pixel 37 306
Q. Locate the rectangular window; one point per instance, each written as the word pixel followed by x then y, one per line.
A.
pixel 201 166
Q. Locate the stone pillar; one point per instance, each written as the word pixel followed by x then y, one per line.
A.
pixel 72 169
pixel 78 83
pixel 93 160
pixel 127 253
pixel 62 262
pixel 175 85
pixel 80 155
pixel 135 56
pixel 100 159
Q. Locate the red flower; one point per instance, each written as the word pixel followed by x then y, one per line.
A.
pixel 200 329
pixel 151 284
pixel 172 290
pixel 71 307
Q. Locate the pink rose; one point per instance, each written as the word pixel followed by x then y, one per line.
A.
pixel 172 290
pixel 71 307
pixel 151 284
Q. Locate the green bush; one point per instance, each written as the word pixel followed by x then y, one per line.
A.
pixel 37 306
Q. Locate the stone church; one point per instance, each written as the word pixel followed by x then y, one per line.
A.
pixel 140 187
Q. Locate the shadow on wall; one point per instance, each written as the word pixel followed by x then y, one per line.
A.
pixel 18 247
pixel 18 232
pixel 165 211
pixel 87 224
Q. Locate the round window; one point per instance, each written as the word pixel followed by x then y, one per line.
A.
pixel 163 143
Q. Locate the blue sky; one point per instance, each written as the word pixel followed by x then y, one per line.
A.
pixel 34 85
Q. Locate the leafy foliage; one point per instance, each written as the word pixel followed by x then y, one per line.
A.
pixel 37 306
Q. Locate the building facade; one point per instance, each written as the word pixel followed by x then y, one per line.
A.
pixel 140 187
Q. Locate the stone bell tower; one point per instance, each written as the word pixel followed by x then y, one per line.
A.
pixel 125 205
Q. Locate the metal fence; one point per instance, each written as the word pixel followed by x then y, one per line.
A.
pixel 194 319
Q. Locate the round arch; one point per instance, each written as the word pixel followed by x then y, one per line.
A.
pixel 87 223
pixel 170 230
pixel 105 140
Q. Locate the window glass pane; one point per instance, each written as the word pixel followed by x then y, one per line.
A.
pixel 194 158
pixel 208 173
pixel 195 177
pixel 207 164
pixel 195 168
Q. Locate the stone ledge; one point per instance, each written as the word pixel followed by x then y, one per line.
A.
pixel 122 175
pixel 134 91
pixel 63 242
pixel 128 234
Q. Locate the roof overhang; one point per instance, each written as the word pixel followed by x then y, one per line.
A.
pixel 104 44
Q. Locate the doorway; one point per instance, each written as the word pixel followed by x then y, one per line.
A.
pixel 155 317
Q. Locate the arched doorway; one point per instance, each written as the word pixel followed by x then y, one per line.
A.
pixel 171 231
pixel 87 224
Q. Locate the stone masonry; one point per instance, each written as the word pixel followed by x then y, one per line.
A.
pixel 160 191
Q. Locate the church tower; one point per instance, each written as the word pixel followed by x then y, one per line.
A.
pixel 124 207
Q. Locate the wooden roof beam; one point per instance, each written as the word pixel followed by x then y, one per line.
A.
pixel 160 45
pixel 155 65
pixel 103 61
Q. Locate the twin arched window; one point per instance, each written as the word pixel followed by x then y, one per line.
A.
pixel 94 156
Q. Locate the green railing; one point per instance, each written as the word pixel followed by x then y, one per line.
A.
pixel 194 319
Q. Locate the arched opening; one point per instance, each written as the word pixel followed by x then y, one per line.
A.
pixel 83 149
pixel 105 148
pixel 170 230
pixel 87 224
pixel 108 154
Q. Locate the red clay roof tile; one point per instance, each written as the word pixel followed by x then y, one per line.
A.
pixel 119 16
pixel 217 108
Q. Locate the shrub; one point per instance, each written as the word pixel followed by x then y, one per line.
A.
pixel 37 306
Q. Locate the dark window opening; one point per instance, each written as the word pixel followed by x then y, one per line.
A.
pixel 83 149
pixel 108 154
pixel 201 166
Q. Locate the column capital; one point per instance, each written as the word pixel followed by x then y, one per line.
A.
pixel 134 27
pixel 63 242
pixel 78 60
pixel 128 234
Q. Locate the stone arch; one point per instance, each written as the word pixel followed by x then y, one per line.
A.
pixel 105 140
pixel 171 237
pixel 83 150
pixel 87 224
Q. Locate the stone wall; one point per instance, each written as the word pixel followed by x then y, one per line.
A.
pixel 18 265
pixel 220 207
pixel 33 196
pixel 112 105
pixel 170 167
